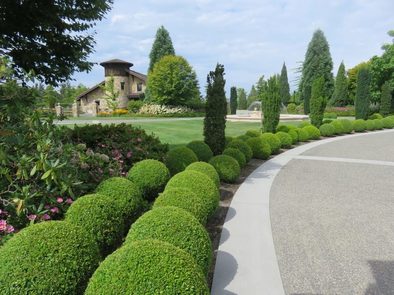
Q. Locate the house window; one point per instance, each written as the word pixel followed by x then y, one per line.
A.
pixel 139 86
pixel 121 85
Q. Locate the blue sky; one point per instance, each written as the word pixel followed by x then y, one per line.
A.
pixel 250 37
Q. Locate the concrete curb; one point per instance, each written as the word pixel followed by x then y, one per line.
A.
pixel 246 261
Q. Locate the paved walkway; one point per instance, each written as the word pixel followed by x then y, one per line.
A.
pixel 317 219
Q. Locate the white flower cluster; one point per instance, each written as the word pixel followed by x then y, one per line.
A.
pixel 155 109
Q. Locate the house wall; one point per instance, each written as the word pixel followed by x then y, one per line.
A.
pixel 88 102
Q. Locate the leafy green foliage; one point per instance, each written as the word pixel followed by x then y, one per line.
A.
pixel 313 132
pixel 386 99
pixel 327 130
pixel 362 93
pixel 48 258
pixel 294 135
pixel 253 133
pixel 338 127
pixel 284 88
pixel 285 139
pixel 303 135
pixel 162 46
pixel 271 105
pixel 233 100
pixel 201 149
pixel 273 140
pixel 347 125
pixel 359 125
pixel 179 158
pixel 243 147
pixel 388 122
pixel 352 79
pixel 237 155
pixel 260 148
pixel 340 95
pixel 375 116
pixel 216 111
pixel 110 93
pixel 134 106
pixel 253 96
pixel 371 126
pixel 148 267
pixel 227 168
pixel 318 102
pixel 242 101
pixel 378 124
pixel 206 169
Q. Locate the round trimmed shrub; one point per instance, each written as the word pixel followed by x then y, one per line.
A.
pixel 304 123
pixel 243 137
pixel 370 125
pixel 53 257
pixel 177 227
pixel 101 217
pixel 282 128
pixel 151 176
pixel 201 149
pixel 253 133
pixel 227 168
pixel 237 155
pixel 206 169
pixel 179 158
pixel 375 116
pixel 229 139
pixel 126 195
pixel 303 135
pixel 243 147
pixel 148 267
pixel 199 183
pixel 388 122
pixel 260 148
pixel 327 130
pixel 294 135
pixel 347 125
pixel 285 139
pixel 313 132
pixel 186 199
pixel 378 124
pixel 327 121
pixel 359 125
pixel 273 140
pixel 338 128
pixel 291 127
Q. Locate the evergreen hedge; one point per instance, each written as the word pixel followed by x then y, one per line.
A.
pixel 227 168
pixel 206 169
pixel 179 158
pixel 237 155
pixel 201 149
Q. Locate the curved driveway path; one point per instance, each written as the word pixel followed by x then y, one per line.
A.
pixel 317 219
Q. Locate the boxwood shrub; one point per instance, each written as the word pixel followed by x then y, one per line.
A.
pixel 285 139
pixel 375 116
pixel 378 124
pixel 303 135
pixel 201 149
pixel 253 133
pixel 229 139
pixel 294 135
pixel 227 168
pixel 388 122
pixel 177 227
pixel 282 128
pixel 243 147
pixel 148 267
pixel 243 137
pixel 304 123
pixel 53 257
pixel 347 125
pixel 199 183
pixel 370 125
pixel 179 158
pixel 237 155
pixel 313 132
pixel 186 199
pixel 260 148
pixel 327 130
pixel 151 176
pixel 359 125
pixel 273 140
pixel 338 128
pixel 101 217
pixel 206 169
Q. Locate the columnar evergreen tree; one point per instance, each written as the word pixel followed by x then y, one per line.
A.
pixel 215 111
pixel 233 100
pixel 284 86
pixel 253 96
pixel 363 94
pixel 271 104
pixel 242 102
pixel 162 46
pixel 318 102
pixel 340 96
pixel 385 100
pixel 307 99
pixel 317 63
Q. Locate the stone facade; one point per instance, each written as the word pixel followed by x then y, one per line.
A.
pixel 131 85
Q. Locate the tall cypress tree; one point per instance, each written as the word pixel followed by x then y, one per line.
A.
pixel 363 94
pixel 253 96
pixel 385 100
pixel 233 100
pixel 242 103
pixel 271 104
pixel 317 63
pixel 162 46
pixel 318 102
pixel 284 86
pixel 340 96
pixel 215 111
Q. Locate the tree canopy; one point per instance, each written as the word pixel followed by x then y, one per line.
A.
pixel 51 38
pixel 161 47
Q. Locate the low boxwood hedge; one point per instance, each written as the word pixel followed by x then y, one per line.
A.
pixel 285 139
pixel 338 127
pixel 201 149
pixel 327 130
pixel 260 148
pixel 378 124
pixel 237 155
pixel 151 176
pixel 388 122
pixel 243 137
pixel 186 199
pixel 282 128
pixel 199 183
pixel 371 126
pixel 206 169
pixel 303 135
pixel 179 158
pixel 177 227
pixel 227 168
pixel 359 125
pixel 243 147
pixel 101 217
pixel 294 135
pixel 229 139
pixel 312 131
pixel 148 267
pixel 303 124
pixel 53 257
pixel 375 116
pixel 347 125
pixel 253 133
pixel 272 140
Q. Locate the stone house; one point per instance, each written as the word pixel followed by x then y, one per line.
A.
pixel 130 84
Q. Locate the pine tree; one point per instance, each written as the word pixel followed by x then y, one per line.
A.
pixel 318 102
pixel 363 94
pixel 215 111
pixel 386 99
pixel 233 100
pixel 162 46
pixel 271 104
pixel 317 63
pixel 253 96
pixel 341 95
pixel 242 103
pixel 284 86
